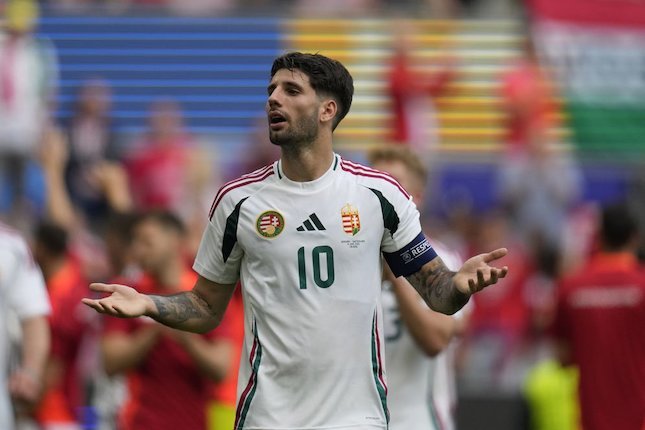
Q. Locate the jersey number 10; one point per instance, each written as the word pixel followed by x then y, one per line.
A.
pixel 315 259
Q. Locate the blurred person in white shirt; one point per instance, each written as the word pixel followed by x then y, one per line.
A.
pixel 419 352
pixel 24 330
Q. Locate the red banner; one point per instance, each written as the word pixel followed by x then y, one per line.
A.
pixel 613 13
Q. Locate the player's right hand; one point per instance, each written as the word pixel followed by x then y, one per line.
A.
pixel 123 302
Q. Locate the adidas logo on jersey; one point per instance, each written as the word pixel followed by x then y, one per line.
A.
pixel 311 224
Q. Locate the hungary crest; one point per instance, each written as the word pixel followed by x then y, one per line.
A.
pixel 269 224
pixel 351 220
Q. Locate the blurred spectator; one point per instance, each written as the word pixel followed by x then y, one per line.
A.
pixel 79 382
pixel 412 91
pixel 260 153
pixel 538 184
pixel 221 411
pixel 118 234
pixel 22 296
pixel 109 392
pixel 170 372
pixel 528 101
pixel 158 165
pixel 599 323
pixel 110 177
pixel 28 76
pixel 70 323
pixel 169 170
pixel 91 143
pixel 500 323
pixel 538 188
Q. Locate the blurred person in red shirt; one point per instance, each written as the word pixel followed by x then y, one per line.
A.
pixel 599 321
pixel 169 169
pixel 169 372
pixel 500 321
pixel 527 101
pixel 164 161
pixel 221 411
pixel 412 91
pixel 64 380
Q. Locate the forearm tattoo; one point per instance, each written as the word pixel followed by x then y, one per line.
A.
pixel 434 282
pixel 179 308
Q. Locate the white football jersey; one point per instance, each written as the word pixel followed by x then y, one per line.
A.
pixel 22 295
pixel 422 389
pixel 309 258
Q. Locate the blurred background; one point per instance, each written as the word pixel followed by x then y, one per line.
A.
pixel 530 116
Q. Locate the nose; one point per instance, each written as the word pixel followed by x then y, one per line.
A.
pixel 274 99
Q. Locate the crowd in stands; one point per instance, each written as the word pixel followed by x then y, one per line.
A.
pixel 135 214
pixel 309 8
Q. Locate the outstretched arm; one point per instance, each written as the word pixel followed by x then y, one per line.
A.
pixel 446 291
pixel 199 310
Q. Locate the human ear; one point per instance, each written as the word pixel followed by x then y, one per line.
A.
pixel 328 110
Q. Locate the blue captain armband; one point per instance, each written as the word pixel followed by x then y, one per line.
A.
pixel 410 258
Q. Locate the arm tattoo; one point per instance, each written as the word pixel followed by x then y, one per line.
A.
pixel 179 308
pixel 434 282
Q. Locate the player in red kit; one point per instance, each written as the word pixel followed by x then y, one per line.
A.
pixel 600 321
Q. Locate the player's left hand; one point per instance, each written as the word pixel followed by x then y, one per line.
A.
pixel 476 274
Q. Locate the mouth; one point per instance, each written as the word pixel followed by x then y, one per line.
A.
pixel 276 120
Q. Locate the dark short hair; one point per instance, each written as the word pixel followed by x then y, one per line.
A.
pixel 327 77
pixel 166 219
pixel 51 237
pixel 618 226
pixel 120 225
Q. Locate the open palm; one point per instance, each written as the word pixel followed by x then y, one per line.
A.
pixel 476 274
pixel 124 301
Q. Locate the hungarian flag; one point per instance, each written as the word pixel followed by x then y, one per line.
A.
pixel 596 49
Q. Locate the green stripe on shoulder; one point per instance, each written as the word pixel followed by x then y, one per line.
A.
pixel 390 218
pixel 230 231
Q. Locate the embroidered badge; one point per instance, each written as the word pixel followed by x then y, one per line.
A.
pixel 269 224
pixel 351 220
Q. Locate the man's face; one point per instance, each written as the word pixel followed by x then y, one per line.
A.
pixel 293 109
pixel 154 246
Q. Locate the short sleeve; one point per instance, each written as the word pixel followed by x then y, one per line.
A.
pixel 404 246
pixel 27 294
pixel 401 219
pixel 219 255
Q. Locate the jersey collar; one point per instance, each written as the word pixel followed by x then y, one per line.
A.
pixel 321 182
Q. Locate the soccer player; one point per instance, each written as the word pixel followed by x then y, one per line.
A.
pixel 305 235
pixel 23 295
pixel 599 322
pixel 422 392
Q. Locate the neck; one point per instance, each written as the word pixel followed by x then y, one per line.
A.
pixel 307 163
